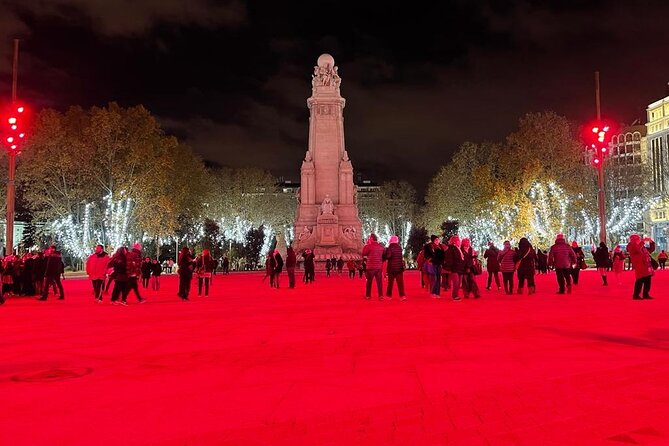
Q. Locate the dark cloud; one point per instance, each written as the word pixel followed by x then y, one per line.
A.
pixel 232 78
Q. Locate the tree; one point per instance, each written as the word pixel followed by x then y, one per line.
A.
pixel 391 211
pixel 253 246
pixel 417 238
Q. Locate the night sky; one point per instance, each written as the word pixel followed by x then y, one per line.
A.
pixel 232 78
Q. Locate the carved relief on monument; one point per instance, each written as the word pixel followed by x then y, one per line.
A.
pixel 327 207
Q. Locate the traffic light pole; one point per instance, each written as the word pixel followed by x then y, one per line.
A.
pixel 600 174
pixel 9 238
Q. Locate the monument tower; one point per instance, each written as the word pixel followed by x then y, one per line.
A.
pixel 327 219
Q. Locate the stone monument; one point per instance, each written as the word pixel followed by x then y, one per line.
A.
pixel 327 219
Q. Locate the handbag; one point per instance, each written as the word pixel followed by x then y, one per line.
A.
pixel 654 263
pixel 583 265
pixel 517 265
pixel 477 269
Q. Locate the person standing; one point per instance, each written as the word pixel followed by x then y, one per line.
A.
pixel 373 250
pixel 395 267
pixel 146 272
pixel 291 262
pixel 618 263
pixel 226 265
pixel 277 268
pixel 562 257
pixel 204 266
pixel 39 267
pixel 340 265
pixel 468 278
pixel 309 266
pixel 525 258
pixel 542 262
pixel 119 264
pixel 662 259
pixel 96 268
pixel 185 264
pixel 351 268
pixel 134 271
pixel 601 256
pixel 328 267
pixel 492 264
pixel 641 262
pixel 454 263
pixel 434 259
pixel 580 262
pixel 507 266
pixel 156 271
pixel 53 270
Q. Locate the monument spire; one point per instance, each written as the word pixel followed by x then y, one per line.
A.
pixel 327 216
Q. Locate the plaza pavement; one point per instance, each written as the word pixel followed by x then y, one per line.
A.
pixel 319 365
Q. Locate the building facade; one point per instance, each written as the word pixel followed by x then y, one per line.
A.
pixel 658 145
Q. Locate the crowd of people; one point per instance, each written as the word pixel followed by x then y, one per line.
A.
pixel 451 266
pixel 455 265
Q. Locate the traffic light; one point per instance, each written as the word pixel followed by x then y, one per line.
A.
pixel 13 131
pixel 598 136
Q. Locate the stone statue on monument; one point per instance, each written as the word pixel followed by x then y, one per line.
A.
pixel 327 207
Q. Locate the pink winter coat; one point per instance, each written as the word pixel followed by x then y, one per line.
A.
pixel 96 266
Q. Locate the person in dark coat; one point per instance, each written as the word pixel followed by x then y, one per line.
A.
pixel 492 264
pixel 226 265
pixel 119 264
pixel 395 267
pixel 601 256
pixel 146 272
pixel 328 267
pixel 52 272
pixel 39 266
pixel 277 267
pixel 525 258
pixel 580 262
pixel 134 270
pixel 204 267
pixel 156 271
pixel 542 262
pixel 291 262
pixel 373 251
pixel 454 263
pixel 562 258
pixel 309 266
pixel 433 254
pixel 186 264
pixel 468 277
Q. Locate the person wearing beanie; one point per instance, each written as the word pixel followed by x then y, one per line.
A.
pixel 562 258
pixel 601 256
pixel 395 267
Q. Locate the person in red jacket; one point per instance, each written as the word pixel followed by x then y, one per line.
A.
pixel 373 250
pixel 96 268
pixel 642 265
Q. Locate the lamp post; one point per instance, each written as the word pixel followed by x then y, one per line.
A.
pixel 9 239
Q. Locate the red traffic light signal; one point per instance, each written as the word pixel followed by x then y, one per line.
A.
pixel 13 127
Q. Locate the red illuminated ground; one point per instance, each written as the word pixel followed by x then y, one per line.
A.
pixel 318 365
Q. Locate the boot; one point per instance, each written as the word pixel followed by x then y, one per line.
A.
pixel 605 283
pixel 530 290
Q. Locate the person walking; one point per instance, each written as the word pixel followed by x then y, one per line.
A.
pixel 156 271
pixel 454 263
pixel 328 267
pixel 52 272
pixel 96 268
pixel 601 256
pixel 618 263
pixel 119 265
pixel 507 266
pixel 492 264
pixel 433 254
pixel 642 265
pixel 580 262
pixel 471 265
pixel 185 263
pixel 204 267
pixel 373 250
pixel 350 264
pixel 662 259
pixel 395 267
pixel 291 262
pixel 525 259
pixel 562 257
pixel 134 270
